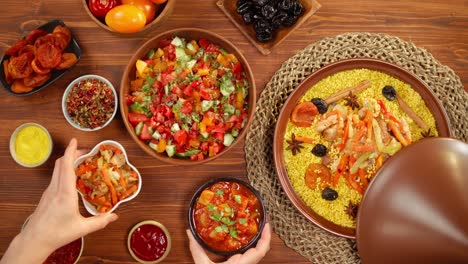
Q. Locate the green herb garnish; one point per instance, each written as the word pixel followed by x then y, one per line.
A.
pixel 238 199
pixel 242 221
pixel 211 207
pixel 220 192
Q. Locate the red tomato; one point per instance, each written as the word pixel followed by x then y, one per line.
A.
pixel 159 1
pixel 204 43
pixel 205 94
pixel 126 19
pixel 145 133
pixel 99 8
pixel 186 107
pixel 135 118
pixel 181 137
pixel 144 5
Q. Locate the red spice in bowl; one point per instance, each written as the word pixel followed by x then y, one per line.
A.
pixel 89 102
pixel 149 242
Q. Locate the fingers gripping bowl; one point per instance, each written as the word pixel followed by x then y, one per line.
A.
pixel 187 96
pixel 226 216
pixel 105 178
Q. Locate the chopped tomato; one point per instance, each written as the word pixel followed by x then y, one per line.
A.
pixel 238 70
pixel 181 137
pixel 186 107
pixel 136 118
pixel 145 133
pixel 204 43
pixel 205 94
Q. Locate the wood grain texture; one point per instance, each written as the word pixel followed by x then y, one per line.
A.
pixel 438 26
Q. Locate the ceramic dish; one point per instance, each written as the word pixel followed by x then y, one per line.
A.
pixel 163 12
pixel 229 8
pixel 56 74
pixel 58 254
pixel 66 94
pixel 430 100
pixel 13 146
pixel 417 206
pixel 149 238
pixel 188 34
pixel 90 207
pixel 192 214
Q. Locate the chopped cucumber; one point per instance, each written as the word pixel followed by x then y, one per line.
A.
pixel 138 128
pixel 206 105
pixel 235 132
pixel 229 109
pixel 205 135
pixel 156 135
pixel 223 51
pixel 188 153
pixel 181 55
pixel 153 146
pixel 227 87
pixel 150 54
pixel 175 127
pixel 228 139
pixel 191 48
pixel 189 65
pixel 170 150
pixel 166 89
pixel 178 42
pixel 150 129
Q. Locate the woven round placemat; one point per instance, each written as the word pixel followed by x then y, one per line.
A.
pixel 294 229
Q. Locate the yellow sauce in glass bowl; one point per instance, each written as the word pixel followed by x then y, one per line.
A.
pixel 30 145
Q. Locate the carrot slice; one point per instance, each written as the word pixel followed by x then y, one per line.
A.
pixel 306 140
pixel 362 178
pixel 397 133
pixel 107 181
pixel 303 114
pixel 363 148
pixel 129 192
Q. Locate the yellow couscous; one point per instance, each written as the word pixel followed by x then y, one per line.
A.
pixel 368 152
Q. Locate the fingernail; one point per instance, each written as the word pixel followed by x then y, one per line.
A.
pixel 113 217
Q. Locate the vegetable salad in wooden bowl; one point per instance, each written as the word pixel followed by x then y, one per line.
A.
pixel 187 96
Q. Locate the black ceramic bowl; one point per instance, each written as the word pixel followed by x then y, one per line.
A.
pixel 56 74
pixel 252 242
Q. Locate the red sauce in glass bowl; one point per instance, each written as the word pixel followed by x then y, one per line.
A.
pixel 67 254
pixel 149 241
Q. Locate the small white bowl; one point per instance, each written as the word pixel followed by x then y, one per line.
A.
pixel 13 145
pixel 67 91
pixel 82 240
pixel 91 208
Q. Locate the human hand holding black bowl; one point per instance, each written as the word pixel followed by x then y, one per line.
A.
pixel 227 217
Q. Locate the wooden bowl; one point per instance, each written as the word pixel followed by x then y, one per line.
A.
pixel 187 33
pixel 443 126
pixel 163 13
pixel 229 7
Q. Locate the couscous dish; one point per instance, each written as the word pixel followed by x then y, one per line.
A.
pixel 337 138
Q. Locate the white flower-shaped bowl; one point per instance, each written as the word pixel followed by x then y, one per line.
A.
pixel 91 208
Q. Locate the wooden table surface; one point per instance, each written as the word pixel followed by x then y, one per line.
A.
pixel 438 26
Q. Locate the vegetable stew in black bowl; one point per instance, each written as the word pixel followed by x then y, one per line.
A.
pixel 226 216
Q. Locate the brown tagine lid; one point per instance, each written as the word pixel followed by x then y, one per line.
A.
pixel 416 209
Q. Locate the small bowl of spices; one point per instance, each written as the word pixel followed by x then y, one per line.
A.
pixel 89 103
pixel 30 145
pixel 149 242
